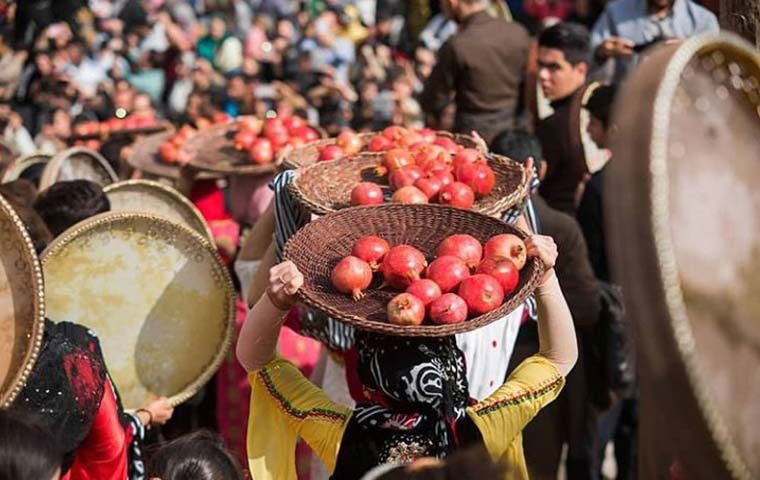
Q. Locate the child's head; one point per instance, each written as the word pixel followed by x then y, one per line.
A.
pixel 197 456
pixel 599 106
pixel 27 450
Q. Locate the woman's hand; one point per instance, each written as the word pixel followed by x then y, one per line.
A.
pixel 545 249
pixel 284 282
pixel 158 412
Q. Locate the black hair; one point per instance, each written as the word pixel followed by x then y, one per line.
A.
pixel 599 104
pixel 572 39
pixel 518 145
pixel 198 456
pixel 20 194
pixel 27 450
pixel 67 203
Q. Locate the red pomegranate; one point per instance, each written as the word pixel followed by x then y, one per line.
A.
pixel 482 293
pixel 466 156
pixel 371 249
pixel 367 193
pixel 448 309
pixel 465 247
pixel 507 246
pixel 307 134
pixel 404 177
pixel 393 160
pixel 430 186
pixel 402 265
pixel 330 152
pixel 351 275
pixel 349 142
pixel 447 143
pixel 244 139
pixel 168 152
pixel 478 176
pixel 409 139
pixel 424 289
pixel 409 195
pixel 445 177
pixel 278 137
pixel 405 309
pixel 379 143
pixel 457 194
pixel 262 151
pixel 394 133
pixel 503 270
pixel 448 272
pixel 428 134
pixel 293 123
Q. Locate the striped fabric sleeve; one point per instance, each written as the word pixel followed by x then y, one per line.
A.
pixel 289 217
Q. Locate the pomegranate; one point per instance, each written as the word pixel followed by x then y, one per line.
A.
pixel 394 133
pixel 447 143
pixel 351 275
pixel 465 247
pixel 448 309
pixel 427 134
pixel 409 139
pixel 457 194
pixel 404 176
pixel 507 246
pixel 293 123
pixel 478 176
pixel 482 293
pixel 424 289
pixel 446 177
pixel 393 160
pixel 262 151
pixel 367 193
pixel 503 270
pixel 406 309
pixel 168 152
pixel 274 126
pixel 425 155
pixel 430 186
pixel 308 134
pixel 465 156
pixel 379 143
pixel 278 137
pixel 371 249
pixel 330 152
pixel 249 123
pixel 244 139
pixel 448 272
pixel 409 195
pixel 349 142
pixel 402 265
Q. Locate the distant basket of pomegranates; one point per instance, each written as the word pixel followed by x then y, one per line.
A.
pixel 349 143
pixel 248 146
pixel 413 270
pixel 483 182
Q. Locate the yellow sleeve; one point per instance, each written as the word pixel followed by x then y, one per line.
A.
pixel 286 406
pixel 500 418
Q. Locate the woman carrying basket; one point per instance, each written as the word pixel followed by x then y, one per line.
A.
pixel 419 404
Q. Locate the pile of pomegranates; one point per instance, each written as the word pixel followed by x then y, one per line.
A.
pixel 464 280
pixel 112 125
pixel 423 167
pixel 263 139
pixel 169 152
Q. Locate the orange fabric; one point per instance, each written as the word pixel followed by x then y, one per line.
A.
pixel 103 454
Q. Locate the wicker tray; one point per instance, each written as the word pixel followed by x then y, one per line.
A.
pixel 213 150
pixel 145 157
pixel 317 247
pixel 326 186
pixel 309 153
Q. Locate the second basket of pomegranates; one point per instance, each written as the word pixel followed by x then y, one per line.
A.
pixel 413 270
pixel 468 179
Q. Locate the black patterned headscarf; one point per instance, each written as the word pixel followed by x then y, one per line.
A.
pixel 413 385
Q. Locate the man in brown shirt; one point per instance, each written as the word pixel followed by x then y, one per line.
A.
pixel 482 67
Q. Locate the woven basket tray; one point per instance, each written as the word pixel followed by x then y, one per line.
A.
pixel 308 154
pixel 318 247
pixel 326 186
pixel 145 157
pixel 213 149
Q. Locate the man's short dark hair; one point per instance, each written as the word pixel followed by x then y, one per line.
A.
pixel 65 204
pixel 572 39
pixel 518 145
pixel 599 105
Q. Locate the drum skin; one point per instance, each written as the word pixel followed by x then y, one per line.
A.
pixel 683 221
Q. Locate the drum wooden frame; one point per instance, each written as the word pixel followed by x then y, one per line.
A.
pixel 186 241
pixel 53 168
pixel 15 237
pixel 680 409
pixel 191 215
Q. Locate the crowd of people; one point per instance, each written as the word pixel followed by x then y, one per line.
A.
pixel 533 80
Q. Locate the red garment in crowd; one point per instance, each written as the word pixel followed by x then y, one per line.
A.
pixel 103 454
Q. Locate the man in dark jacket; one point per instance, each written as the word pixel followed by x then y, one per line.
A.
pixel 482 67
pixel 563 53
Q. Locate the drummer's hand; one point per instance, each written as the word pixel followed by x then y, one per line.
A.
pixel 545 249
pixel 284 282
pixel 161 411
